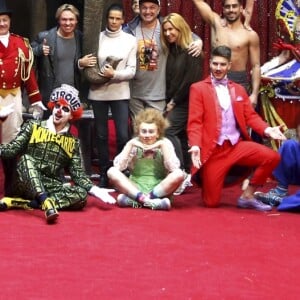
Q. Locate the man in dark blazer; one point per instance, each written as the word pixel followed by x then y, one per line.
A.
pixel 220 113
pixel 58 53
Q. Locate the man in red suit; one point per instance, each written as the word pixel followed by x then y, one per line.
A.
pixel 220 113
pixel 16 71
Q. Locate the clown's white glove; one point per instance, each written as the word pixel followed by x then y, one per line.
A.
pixel 103 194
pixel 37 110
pixel 6 110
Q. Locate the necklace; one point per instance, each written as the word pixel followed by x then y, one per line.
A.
pixel 153 32
pixel 150 51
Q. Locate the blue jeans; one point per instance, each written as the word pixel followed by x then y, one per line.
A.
pixel 120 115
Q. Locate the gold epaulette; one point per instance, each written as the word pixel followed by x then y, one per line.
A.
pixel 25 40
pixel 16 35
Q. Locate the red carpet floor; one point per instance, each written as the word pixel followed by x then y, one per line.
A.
pixel 191 252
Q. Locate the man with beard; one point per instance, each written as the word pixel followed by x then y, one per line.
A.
pixel 244 42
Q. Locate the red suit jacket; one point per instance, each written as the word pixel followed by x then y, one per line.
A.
pixel 14 66
pixel 205 115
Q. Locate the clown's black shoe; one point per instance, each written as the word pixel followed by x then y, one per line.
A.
pixel 51 212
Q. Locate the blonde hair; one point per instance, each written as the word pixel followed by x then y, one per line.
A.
pixel 185 32
pixel 68 7
pixel 149 116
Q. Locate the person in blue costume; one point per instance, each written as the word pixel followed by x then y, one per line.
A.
pixel 154 167
pixel 286 173
pixel 282 74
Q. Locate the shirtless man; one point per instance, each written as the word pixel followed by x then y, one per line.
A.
pixel 244 42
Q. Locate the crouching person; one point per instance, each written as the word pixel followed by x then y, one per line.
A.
pixel 45 149
pixel 154 167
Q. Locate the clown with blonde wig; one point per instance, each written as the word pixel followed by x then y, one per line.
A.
pixel 153 164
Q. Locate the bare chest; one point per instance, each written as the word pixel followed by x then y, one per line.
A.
pixel 237 39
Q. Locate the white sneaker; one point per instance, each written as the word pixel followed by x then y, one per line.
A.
pixel 158 204
pixel 186 183
pixel 125 201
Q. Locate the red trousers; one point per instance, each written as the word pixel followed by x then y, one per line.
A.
pixel 245 153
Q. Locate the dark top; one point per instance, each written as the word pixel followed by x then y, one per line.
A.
pixel 182 70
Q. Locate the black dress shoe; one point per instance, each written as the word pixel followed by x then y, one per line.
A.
pixel 103 181
pixel 51 212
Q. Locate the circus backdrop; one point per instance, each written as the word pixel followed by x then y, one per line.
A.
pixel 40 16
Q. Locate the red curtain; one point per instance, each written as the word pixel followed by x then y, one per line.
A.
pixel 263 22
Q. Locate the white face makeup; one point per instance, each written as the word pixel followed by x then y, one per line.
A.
pixel 148 133
pixel 61 114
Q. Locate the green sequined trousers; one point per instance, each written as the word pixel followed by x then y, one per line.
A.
pixel 43 157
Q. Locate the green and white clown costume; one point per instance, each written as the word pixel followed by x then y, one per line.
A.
pixel 144 172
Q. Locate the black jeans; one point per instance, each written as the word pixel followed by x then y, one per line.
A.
pixel 176 133
pixel 120 115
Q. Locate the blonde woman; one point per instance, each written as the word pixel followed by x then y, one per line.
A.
pixel 181 71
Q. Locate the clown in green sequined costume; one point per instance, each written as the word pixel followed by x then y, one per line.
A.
pixel 39 169
pixel 45 149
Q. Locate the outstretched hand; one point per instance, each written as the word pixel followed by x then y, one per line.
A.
pixel 103 194
pixel 195 156
pixel 275 133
